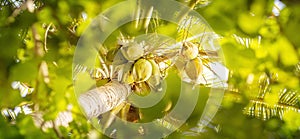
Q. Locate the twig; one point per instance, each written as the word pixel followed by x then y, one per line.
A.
pixel 46 34
pixel 57 131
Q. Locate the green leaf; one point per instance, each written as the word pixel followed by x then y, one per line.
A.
pixel 238 59
pixel 249 23
pixel 288 55
pixel 24 72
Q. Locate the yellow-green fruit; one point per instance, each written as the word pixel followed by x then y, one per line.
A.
pixel 133 51
pixel 141 89
pixel 128 78
pixel 189 50
pixel 155 80
pixel 142 70
pixel 155 68
pixel 194 68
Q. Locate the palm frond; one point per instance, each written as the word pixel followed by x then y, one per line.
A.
pixel 261 109
pixel 297 69
pixel 247 42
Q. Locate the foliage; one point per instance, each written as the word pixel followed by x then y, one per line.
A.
pixel 258 38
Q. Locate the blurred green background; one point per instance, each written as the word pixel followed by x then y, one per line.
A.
pixel 259 39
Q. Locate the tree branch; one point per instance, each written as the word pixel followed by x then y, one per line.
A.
pixel 102 99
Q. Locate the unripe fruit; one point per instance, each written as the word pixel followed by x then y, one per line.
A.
pixel 142 70
pixel 141 89
pixel 132 51
pixel 189 50
pixel 155 80
pixel 128 78
pixel 194 68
